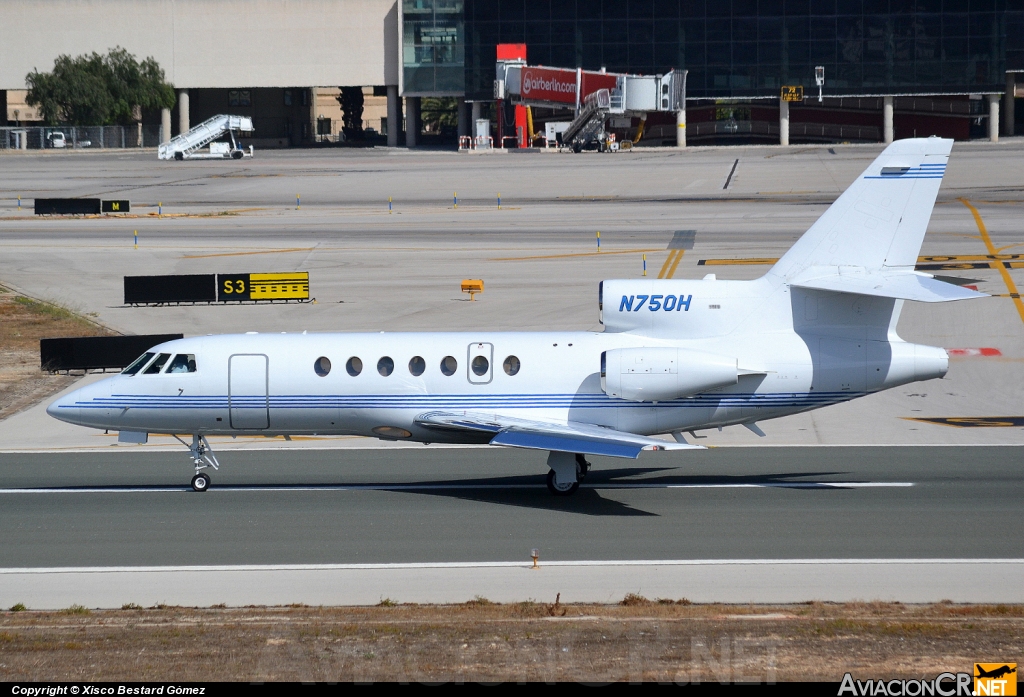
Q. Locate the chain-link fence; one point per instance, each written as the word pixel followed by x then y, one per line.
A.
pixel 79 137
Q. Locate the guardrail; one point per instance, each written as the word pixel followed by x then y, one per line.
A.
pixel 475 143
pixel 219 288
pixel 96 352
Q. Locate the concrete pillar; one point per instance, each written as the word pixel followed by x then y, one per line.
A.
pixel 993 117
pixel 888 133
pixel 183 123
pixel 783 123
pixel 313 137
pixel 1009 114
pixel 412 121
pixel 165 125
pixel 477 108
pixel 465 128
pixel 394 116
pixel 681 128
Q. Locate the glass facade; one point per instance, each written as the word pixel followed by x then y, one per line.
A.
pixel 433 47
pixel 749 48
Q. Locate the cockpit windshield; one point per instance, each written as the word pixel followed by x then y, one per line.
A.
pixel 156 365
pixel 183 363
pixel 138 364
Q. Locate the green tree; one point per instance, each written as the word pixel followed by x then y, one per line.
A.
pixel 441 114
pixel 95 90
pixel 351 100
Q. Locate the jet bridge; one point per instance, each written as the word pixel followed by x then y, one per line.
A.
pixel 187 146
pixel 593 96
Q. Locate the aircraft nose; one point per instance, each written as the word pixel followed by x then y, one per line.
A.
pixel 65 408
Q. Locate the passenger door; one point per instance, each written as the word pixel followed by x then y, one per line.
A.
pixel 248 397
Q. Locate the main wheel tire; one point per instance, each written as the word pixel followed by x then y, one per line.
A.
pixel 561 490
pixel 201 482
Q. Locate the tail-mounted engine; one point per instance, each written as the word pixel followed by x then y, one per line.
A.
pixel 660 374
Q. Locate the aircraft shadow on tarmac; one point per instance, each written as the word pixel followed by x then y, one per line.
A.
pixel 592 497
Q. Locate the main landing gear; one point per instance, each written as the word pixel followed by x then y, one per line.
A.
pixel 202 457
pixel 567 471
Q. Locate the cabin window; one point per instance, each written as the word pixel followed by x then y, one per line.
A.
pixel 417 365
pixel 156 365
pixel 385 366
pixel 138 364
pixel 354 366
pixel 511 365
pixel 449 365
pixel 322 366
pixel 183 363
pixel 480 365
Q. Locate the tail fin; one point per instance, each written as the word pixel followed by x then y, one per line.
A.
pixel 879 222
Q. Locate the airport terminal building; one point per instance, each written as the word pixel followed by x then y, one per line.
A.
pixel 891 68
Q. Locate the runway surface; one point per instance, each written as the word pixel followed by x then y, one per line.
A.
pixel 486 505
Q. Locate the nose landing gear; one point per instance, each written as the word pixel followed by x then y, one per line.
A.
pixel 567 471
pixel 202 457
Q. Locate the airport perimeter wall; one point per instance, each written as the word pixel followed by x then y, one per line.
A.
pixel 211 43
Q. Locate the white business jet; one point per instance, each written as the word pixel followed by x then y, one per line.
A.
pixel 675 355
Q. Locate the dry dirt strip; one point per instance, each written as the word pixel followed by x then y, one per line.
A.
pixel 635 640
pixel 725 581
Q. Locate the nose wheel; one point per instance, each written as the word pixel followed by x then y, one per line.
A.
pixel 202 457
pixel 201 482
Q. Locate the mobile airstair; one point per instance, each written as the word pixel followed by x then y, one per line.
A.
pixel 588 126
pixel 187 146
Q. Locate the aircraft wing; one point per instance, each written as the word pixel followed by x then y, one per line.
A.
pixel 907 285
pixel 570 437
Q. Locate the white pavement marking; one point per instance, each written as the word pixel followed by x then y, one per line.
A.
pixel 710 580
pixel 450 487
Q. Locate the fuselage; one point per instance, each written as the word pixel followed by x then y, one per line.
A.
pixel 377 384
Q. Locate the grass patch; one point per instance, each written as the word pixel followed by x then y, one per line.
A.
pixel 387 602
pixel 44 308
pixel 634 600
pixel 131 606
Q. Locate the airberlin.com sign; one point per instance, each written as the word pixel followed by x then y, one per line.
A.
pixel 554 85
pixel 548 85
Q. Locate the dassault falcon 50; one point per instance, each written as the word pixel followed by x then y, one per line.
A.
pixel 675 356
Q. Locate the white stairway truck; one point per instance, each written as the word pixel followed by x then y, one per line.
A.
pixel 186 146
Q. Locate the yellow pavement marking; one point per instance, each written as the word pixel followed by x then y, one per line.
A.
pixel 935 258
pixel 1010 286
pixel 668 262
pixel 581 254
pixel 671 263
pixel 242 254
pixel 675 264
pixel 736 262
pixel 970 421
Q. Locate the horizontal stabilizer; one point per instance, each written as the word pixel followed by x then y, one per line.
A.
pixel 546 435
pixel 905 285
